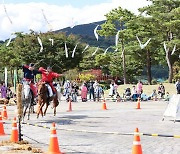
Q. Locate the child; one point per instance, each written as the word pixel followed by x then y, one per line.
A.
pixel 153 95
pixel 166 97
pixel 98 92
pixel 118 97
pixel 74 94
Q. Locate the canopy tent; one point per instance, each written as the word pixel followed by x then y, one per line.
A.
pixel 173 108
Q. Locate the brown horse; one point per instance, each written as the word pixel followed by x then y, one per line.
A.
pixel 43 99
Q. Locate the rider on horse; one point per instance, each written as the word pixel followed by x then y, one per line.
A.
pixel 47 76
pixel 29 74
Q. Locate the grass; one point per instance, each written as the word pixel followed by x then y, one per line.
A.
pixel 147 89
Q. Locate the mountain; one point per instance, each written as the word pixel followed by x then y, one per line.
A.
pixel 86 33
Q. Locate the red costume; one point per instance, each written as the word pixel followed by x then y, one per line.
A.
pixel 48 77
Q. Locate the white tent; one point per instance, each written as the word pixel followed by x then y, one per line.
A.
pixel 173 108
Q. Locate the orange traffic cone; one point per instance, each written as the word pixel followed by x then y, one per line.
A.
pixel 4 113
pixel 136 143
pixel 1 126
pixel 70 106
pixel 53 145
pixel 14 132
pixel 138 104
pixel 104 105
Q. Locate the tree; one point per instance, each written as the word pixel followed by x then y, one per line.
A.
pixel 89 61
pixel 117 19
pixel 103 61
pixel 165 16
pixel 27 49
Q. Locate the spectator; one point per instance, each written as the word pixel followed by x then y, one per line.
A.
pixel 67 90
pixel 74 92
pixel 178 86
pixel 161 90
pixel 3 90
pixel 127 94
pixel 118 97
pixel 153 95
pixel 144 97
pixel 9 93
pixel 98 92
pixel 95 84
pixel 91 90
pixel 112 89
pixel 139 88
pixel 115 88
pixel 166 97
pixel 58 89
pixel 84 92
pixel 134 96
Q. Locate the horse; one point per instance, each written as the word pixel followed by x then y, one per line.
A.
pixel 27 99
pixel 43 99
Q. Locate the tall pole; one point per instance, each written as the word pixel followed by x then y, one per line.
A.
pixel 123 55
pixel 6 76
pixel 124 62
pixel 15 79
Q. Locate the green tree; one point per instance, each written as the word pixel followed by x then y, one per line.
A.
pixel 27 48
pixel 165 15
pixel 117 19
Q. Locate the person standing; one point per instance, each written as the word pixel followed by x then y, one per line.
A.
pixel 84 92
pixel 112 89
pixel 3 90
pixel 139 88
pixel 67 90
pixel 178 86
pixel 98 92
pixel 74 92
pixel 91 90
pixel 58 89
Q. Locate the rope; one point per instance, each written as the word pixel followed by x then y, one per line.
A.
pixel 99 132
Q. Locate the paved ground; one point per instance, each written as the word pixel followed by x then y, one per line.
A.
pixel 87 117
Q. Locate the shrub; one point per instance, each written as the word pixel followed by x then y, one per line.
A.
pixel 86 77
pixel 154 81
pixel 71 74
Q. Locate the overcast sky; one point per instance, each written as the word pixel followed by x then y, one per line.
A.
pixel 27 14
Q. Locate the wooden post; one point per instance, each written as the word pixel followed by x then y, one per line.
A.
pixel 19 108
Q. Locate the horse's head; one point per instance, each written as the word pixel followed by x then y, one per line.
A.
pixel 42 88
pixel 26 90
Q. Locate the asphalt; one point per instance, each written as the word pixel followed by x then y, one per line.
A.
pixel 91 130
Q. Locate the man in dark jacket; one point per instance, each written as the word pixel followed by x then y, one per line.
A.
pixel 29 75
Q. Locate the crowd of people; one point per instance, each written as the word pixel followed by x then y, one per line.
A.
pixel 89 91
pixel 137 92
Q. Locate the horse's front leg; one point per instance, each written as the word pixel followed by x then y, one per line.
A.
pixel 29 106
pixel 40 109
pixel 47 104
pixel 24 109
pixel 54 111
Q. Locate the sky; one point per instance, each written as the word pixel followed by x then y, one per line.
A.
pixel 43 15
